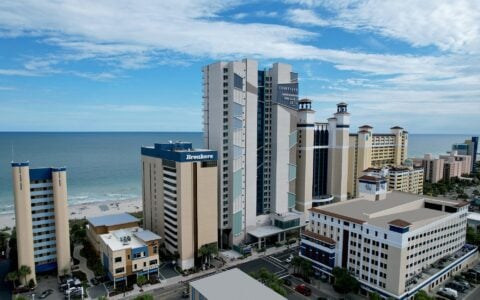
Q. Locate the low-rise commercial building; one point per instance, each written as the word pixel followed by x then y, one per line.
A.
pixel 394 244
pixel 129 252
pixel 41 219
pixel 233 285
pixel 97 226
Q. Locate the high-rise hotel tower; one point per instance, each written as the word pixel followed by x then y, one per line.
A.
pixel 250 118
pixel 41 214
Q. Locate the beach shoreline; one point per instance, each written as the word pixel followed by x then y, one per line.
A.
pixel 84 210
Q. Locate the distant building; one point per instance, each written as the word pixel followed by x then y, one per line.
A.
pixel 400 178
pixel 473 220
pixel 433 168
pixel 469 147
pixel 456 165
pixel 180 198
pixel 232 285
pixel 41 214
pixel 129 252
pixel 97 226
pixel 394 243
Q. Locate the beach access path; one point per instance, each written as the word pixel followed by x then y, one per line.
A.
pixel 83 262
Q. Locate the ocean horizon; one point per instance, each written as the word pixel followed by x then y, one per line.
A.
pixel 104 166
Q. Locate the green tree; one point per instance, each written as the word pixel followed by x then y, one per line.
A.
pixel 344 282
pixel 31 283
pixel 21 298
pixel 296 263
pixel 144 297
pixel 23 272
pixel 306 267
pixel 141 280
pixel 13 277
pixel 422 295
pixel 374 296
pixel 207 251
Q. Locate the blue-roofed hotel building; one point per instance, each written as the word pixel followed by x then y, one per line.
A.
pixel 41 214
pixel 180 198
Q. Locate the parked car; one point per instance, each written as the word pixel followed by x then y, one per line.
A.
pixel 448 293
pixel 46 293
pixel 94 281
pixel 455 286
pixel 289 259
pixel 464 283
pixel 287 282
pixel 304 290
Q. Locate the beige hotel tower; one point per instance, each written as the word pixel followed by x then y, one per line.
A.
pixel 41 213
pixel 180 198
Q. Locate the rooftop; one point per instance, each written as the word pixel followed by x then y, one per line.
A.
pixel 112 220
pixel 129 238
pixel 398 208
pixel 233 285
pixel 178 151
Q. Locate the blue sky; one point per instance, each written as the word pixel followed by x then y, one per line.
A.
pixel 136 65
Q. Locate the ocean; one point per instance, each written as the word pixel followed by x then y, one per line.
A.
pixel 106 165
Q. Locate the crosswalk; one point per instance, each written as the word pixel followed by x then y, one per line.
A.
pixel 283 272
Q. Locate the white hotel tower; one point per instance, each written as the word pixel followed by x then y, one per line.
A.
pixel 250 118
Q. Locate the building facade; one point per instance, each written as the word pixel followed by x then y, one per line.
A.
pixel 456 164
pixel 395 244
pixel 250 118
pixel 129 252
pixel 368 149
pixel 433 168
pixel 400 178
pixel 180 199
pixel 41 214
pixel 469 147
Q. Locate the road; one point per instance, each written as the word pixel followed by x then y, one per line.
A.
pixel 475 295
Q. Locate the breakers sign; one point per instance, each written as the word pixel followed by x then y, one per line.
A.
pixel 200 156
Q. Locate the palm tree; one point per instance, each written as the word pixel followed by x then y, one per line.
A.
pixel 23 271
pixel 296 262
pixel 13 277
pixel 203 252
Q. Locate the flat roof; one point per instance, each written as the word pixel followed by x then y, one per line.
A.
pixel 147 235
pixel 473 216
pixel 115 240
pixel 233 285
pixel 264 231
pixel 396 208
pixel 111 220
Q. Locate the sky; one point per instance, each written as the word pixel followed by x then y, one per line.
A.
pixel 118 65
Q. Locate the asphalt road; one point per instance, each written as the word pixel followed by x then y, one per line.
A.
pixel 475 295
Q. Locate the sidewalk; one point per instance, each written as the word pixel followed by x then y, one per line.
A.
pixel 185 279
pixel 83 262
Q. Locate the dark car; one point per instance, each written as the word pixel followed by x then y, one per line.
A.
pixel 456 286
pixel 304 290
pixel 287 282
pixel 46 293
pixel 186 294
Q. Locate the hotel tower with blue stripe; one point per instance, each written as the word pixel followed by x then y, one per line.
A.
pixel 41 213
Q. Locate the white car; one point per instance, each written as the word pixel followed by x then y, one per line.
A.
pixel 289 259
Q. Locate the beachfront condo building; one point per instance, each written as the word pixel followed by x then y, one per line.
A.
pixel 433 168
pixel 469 147
pixel 394 243
pixel 96 226
pixel 41 218
pixel 368 149
pixel 456 165
pixel 180 198
pixel 250 118
pixel 407 179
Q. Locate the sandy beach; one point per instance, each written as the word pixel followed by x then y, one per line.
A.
pixel 80 211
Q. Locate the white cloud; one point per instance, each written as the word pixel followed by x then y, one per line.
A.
pixel 306 17
pixel 450 25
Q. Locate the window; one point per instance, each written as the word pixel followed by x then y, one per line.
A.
pixel 155 249
pixel 153 262
pixel 119 270
pixel 118 259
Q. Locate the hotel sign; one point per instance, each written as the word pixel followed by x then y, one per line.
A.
pixel 200 156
